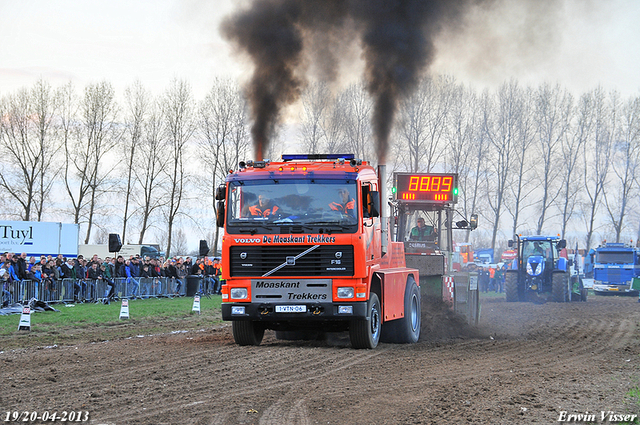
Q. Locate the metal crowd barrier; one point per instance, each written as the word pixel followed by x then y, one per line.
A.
pixel 89 290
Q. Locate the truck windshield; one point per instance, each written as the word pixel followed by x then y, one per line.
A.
pixel 614 257
pixel 287 202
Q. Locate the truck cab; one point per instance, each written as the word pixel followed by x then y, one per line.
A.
pixel 305 250
pixel 615 267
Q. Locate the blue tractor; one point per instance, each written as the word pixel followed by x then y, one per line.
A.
pixel 539 273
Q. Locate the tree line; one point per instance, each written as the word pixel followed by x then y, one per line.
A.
pixel 529 159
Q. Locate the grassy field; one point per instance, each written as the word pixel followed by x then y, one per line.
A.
pixel 97 322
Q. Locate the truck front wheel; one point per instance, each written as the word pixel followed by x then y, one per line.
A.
pixel 366 333
pixel 247 332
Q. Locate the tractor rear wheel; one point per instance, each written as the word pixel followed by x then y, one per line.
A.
pixel 511 285
pixel 560 287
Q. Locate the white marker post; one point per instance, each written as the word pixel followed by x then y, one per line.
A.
pixel 196 304
pixel 25 319
pixel 124 310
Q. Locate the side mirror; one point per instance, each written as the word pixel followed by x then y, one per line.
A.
pixel 373 203
pixel 562 243
pixel 510 243
pixel 220 214
pixel 221 192
pixel 473 222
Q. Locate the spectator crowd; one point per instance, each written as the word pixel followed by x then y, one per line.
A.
pixel 55 279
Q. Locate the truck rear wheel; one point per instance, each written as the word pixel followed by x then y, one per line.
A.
pixel 560 287
pixel 407 329
pixel 511 286
pixel 247 332
pixel 366 333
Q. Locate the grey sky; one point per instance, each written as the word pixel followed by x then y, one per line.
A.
pixel 578 44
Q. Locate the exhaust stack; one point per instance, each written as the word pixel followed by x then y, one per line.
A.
pixel 384 208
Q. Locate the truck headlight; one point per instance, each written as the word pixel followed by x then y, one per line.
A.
pixel 345 292
pixel 239 293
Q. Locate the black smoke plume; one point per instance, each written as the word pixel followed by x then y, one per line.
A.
pixel 396 37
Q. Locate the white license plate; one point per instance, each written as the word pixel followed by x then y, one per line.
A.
pixel 291 309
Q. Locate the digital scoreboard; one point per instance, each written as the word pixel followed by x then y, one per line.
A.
pixel 430 188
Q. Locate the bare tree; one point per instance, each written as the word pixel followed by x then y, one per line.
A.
pixel 136 107
pixel 423 121
pixel 27 140
pixel 180 245
pixel 21 180
pixel 238 147
pixel 334 125
pixel 625 160
pixel 316 103
pixel 356 126
pixel 500 123
pixel 45 104
pixel 97 134
pixel 150 164
pixel 553 112
pixel 223 137
pixel 475 182
pixel 178 113
pixel 463 120
pixel 571 156
pixel 465 146
pixel 522 183
pixel 597 155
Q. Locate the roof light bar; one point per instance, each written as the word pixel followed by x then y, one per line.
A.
pixel 316 156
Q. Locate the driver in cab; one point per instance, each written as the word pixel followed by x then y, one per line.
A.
pixel 422 232
pixel 534 249
pixel 264 208
pixel 345 204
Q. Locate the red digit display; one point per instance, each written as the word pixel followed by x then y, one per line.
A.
pixel 430 188
pixel 413 183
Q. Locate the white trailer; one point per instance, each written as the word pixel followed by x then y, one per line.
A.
pixel 129 250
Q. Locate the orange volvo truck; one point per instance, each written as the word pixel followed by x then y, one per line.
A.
pixel 306 250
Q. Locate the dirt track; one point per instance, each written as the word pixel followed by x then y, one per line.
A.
pixel 525 364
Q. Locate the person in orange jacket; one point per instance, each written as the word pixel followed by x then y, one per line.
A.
pixel 346 205
pixel 492 278
pixel 264 208
pixel 217 266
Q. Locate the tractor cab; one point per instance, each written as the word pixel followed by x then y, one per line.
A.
pixel 539 256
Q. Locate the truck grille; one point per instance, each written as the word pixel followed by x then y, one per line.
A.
pixel 613 275
pixel 325 260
